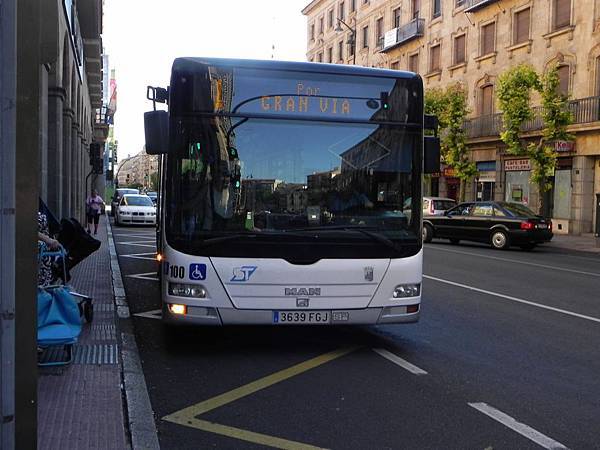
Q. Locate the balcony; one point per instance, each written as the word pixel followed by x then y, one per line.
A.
pixel 403 34
pixel 584 110
pixel 474 5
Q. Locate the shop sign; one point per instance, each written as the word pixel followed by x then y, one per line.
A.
pixel 564 146
pixel 449 172
pixel 511 165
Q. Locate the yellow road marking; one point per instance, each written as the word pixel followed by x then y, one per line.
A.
pixel 249 436
pixel 184 415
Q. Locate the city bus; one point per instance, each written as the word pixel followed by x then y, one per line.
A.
pixel 290 192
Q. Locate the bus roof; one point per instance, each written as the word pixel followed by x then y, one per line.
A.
pixel 189 63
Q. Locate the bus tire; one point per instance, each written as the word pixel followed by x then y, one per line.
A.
pixel 427 233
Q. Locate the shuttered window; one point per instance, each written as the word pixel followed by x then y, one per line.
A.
pixel 312 32
pixel 341 50
pixel 437 8
pixel 598 75
pixel 416 8
pixel 562 13
pixel 563 78
pixel 413 63
pixel 330 54
pixel 488 33
pixel 379 29
pixel 330 18
pixel 522 26
pixel 459 49
pixel 487 100
pixel 342 11
pixel 394 65
pixel 434 62
pixel 397 17
pixel 321 21
pixel 365 37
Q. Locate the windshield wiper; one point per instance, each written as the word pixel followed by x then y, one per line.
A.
pixel 236 236
pixel 366 231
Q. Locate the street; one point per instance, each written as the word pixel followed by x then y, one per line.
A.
pixel 505 356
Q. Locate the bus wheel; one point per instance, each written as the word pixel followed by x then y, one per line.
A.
pixel 427 233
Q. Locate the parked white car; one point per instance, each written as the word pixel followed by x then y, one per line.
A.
pixel 437 206
pixel 136 210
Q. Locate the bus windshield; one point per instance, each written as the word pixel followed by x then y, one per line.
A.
pixel 272 185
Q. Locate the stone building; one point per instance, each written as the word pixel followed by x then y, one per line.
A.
pixel 472 42
pixel 137 170
pixel 71 93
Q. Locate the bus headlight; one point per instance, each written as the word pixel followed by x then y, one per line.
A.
pixel 187 290
pixel 407 290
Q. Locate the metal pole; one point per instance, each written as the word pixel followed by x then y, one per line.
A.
pixel 8 99
pixel 29 69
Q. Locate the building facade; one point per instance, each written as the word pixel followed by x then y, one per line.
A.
pixel 73 131
pixel 137 171
pixel 472 42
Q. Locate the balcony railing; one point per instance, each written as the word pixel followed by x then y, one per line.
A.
pixel 473 5
pixel 584 110
pixel 405 33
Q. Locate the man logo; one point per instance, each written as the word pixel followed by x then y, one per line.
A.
pixel 303 291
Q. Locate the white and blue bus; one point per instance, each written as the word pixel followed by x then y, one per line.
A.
pixel 290 193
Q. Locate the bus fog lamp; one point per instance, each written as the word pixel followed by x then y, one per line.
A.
pixel 177 309
pixel 187 290
pixel 407 290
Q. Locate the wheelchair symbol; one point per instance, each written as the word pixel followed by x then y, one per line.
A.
pixel 197 272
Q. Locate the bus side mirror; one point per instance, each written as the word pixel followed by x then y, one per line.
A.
pixel 156 129
pixel 431 155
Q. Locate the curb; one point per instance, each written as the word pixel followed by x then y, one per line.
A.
pixel 140 416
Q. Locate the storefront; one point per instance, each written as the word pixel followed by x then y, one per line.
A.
pixel 452 183
pixel 517 180
pixel 485 183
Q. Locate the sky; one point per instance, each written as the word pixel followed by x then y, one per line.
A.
pixel 143 37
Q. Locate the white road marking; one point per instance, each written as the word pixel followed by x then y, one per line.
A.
pixel 514 299
pixel 144 276
pixel 399 361
pixel 154 314
pixel 519 427
pixel 138 243
pixel 497 258
pixel 141 256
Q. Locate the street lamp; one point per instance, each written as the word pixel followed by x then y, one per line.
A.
pixel 352 40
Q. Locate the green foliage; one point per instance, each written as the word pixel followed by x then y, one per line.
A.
pixel 513 93
pixel 154 181
pixel 450 106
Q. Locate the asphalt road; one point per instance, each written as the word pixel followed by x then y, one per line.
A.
pixel 506 356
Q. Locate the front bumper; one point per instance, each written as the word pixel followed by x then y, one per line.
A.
pixel 207 316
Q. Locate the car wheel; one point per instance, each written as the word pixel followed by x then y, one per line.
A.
pixel 527 247
pixel 454 241
pixel 427 233
pixel 499 240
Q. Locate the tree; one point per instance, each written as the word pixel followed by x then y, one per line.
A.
pixel 514 95
pixel 451 108
pixel 154 181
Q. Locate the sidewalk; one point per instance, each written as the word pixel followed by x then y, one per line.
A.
pixel 584 243
pixel 80 406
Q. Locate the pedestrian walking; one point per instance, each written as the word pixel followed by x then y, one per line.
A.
pixel 94 205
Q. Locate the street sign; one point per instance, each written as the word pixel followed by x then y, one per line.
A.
pixel 564 146
pixel 512 165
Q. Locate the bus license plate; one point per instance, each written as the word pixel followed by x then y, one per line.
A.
pixel 308 317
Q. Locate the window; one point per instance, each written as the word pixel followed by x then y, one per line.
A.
pixel 413 63
pixel 394 65
pixel 487 100
pixel 352 6
pixel 436 8
pixel 416 8
pixel 341 50
pixel 330 18
pixel 488 37
pixel 321 23
pixel 482 210
pixel 562 13
pixel 598 75
pixel 312 31
pixel 351 48
pixel 365 37
pixel 379 30
pixel 498 212
pixel 342 12
pixel 320 57
pixel 563 79
pixel 330 54
pixel 521 26
pixel 459 49
pixel 459 3
pixel 397 17
pixel 434 58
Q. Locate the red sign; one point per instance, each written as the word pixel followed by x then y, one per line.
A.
pixel 449 172
pixel 564 146
pixel 512 165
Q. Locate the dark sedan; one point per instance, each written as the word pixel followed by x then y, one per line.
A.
pixel 500 224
